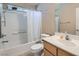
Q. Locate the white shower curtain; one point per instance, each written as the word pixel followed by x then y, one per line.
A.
pixel 21 27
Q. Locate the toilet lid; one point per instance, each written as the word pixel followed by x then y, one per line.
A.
pixel 37 46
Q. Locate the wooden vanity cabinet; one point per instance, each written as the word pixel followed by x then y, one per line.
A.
pixel 63 53
pixel 51 50
pixel 46 53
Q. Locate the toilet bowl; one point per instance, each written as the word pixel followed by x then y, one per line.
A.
pixel 37 49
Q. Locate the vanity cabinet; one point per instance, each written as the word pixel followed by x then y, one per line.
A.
pixel 52 50
pixel 46 53
pixel 63 53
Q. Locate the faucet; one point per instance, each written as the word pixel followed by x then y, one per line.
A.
pixel 4 41
pixel 66 37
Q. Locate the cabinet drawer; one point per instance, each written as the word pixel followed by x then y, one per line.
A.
pixel 63 53
pixel 52 49
pixel 46 53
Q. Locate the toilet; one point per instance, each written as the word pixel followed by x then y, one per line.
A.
pixel 37 48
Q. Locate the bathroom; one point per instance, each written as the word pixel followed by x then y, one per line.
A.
pixel 27 29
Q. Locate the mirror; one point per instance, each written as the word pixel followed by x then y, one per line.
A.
pixel 65 17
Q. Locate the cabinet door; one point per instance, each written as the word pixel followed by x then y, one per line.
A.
pixel 63 53
pixel 52 49
pixel 46 53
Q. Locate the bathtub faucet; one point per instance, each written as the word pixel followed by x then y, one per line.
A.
pixel 4 41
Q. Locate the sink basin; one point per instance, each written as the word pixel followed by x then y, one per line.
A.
pixel 68 43
pixel 72 42
pixel 76 42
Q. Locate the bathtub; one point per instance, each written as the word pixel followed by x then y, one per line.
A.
pixel 17 50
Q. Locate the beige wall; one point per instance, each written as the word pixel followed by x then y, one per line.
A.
pixel 48 23
pixel 68 18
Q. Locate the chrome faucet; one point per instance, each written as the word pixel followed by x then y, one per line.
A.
pixel 66 37
pixel 4 41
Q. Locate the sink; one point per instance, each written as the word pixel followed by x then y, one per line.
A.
pixel 76 42
pixel 68 43
pixel 72 42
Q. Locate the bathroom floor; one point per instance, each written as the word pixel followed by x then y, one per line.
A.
pixel 29 53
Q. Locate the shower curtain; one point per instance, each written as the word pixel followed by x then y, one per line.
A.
pixel 20 27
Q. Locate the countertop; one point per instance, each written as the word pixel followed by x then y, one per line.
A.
pixel 71 48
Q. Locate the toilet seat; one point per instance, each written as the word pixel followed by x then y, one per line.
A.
pixel 37 47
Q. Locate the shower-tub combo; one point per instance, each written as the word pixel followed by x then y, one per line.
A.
pixel 19 30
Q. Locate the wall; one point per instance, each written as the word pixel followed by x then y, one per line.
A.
pixel 68 18
pixel 48 19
